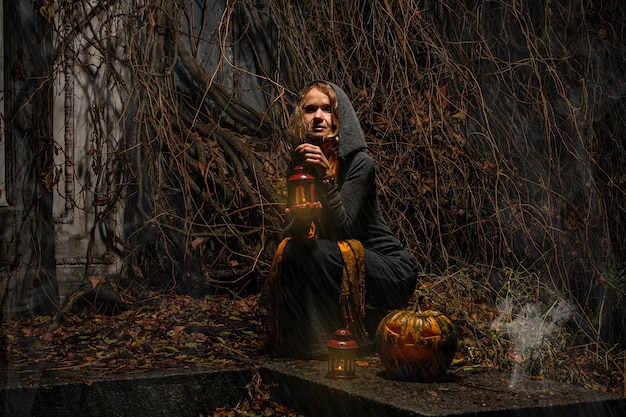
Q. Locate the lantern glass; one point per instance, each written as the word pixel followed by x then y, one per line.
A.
pixel 342 350
pixel 301 191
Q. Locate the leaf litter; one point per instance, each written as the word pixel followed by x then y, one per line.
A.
pixel 173 333
pixel 179 332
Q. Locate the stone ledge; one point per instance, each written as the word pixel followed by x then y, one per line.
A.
pixel 167 394
pixel 302 386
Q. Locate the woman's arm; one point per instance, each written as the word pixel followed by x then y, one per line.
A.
pixel 345 209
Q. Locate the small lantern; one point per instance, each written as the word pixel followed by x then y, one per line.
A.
pixel 301 192
pixel 342 351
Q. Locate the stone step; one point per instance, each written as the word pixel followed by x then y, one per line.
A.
pixel 183 393
pixel 475 392
pixel 302 386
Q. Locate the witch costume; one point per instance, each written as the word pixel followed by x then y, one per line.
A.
pixel 346 269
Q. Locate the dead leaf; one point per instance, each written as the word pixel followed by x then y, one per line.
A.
pixel 443 100
pixel 137 271
pixel 516 357
pixel 171 349
pixel 95 282
pixel 460 115
pixel 199 241
pixel 84 380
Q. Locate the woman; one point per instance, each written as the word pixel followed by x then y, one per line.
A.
pixel 343 267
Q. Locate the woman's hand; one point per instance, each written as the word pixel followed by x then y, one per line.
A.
pixel 306 212
pixel 313 156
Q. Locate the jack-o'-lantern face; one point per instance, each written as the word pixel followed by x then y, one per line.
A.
pixel 415 345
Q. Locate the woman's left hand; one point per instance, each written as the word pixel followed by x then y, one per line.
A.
pixel 306 212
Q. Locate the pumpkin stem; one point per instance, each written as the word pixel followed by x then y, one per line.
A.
pixel 418 304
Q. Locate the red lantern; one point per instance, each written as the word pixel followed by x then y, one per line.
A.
pixel 342 350
pixel 302 197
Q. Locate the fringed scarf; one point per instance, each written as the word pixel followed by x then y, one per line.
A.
pixel 352 297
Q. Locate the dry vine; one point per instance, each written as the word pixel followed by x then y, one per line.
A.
pixel 496 126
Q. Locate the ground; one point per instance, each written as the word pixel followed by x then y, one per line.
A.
pixel 215 332
pixel 169 332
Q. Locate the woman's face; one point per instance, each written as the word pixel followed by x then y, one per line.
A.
pixel 317 115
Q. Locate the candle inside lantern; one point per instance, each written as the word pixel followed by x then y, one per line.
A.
pixel 301 195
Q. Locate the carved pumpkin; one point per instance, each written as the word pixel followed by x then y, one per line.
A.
pixel 416 345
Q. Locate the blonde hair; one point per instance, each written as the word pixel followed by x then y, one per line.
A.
pixel 297 128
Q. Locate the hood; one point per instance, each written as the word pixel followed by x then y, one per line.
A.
pixel 351 136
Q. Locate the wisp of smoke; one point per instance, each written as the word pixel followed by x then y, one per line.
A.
pixel 528 329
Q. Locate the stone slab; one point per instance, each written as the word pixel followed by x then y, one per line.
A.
pixel 302 386
pixel 184 393
pixel 476 392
